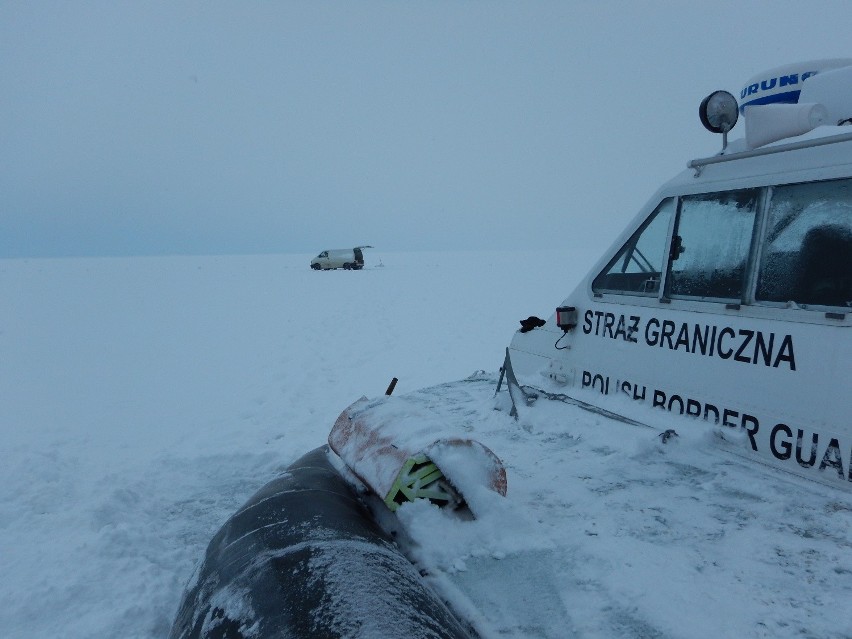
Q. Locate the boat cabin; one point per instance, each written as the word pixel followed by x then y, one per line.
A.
pixel 729 297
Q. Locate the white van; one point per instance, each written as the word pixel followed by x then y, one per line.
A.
pixel 729 296
pixel 340 258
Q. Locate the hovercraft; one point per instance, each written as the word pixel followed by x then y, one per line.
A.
pixel 725 307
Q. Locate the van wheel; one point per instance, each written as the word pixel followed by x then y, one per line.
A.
pixel 316 267
pixel 347 266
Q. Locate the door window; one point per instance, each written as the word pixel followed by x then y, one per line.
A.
pixel 711 244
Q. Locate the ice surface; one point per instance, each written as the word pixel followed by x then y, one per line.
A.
pixel 142 401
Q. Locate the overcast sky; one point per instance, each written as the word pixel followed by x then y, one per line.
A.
pixel 131 128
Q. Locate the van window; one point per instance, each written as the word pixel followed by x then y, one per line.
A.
pixel 807 252
pixel 711 244
pixel 637 267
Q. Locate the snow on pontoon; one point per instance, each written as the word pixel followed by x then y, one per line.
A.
pixel 602 498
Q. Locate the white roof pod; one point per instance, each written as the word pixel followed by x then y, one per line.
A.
pixel 794 99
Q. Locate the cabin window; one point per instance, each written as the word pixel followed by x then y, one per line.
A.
pixel 807 251
pixel 710 246
pixel 637 268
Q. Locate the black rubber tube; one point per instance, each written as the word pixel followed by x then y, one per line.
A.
pixel 303 558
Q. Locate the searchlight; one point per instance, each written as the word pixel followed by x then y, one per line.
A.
pixel 719 113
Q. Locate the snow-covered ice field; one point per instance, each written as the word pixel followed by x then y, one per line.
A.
pixel 142 400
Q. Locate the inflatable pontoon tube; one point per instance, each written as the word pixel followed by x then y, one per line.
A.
pixel 304 558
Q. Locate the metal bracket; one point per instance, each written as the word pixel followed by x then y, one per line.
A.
pixel 516 392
